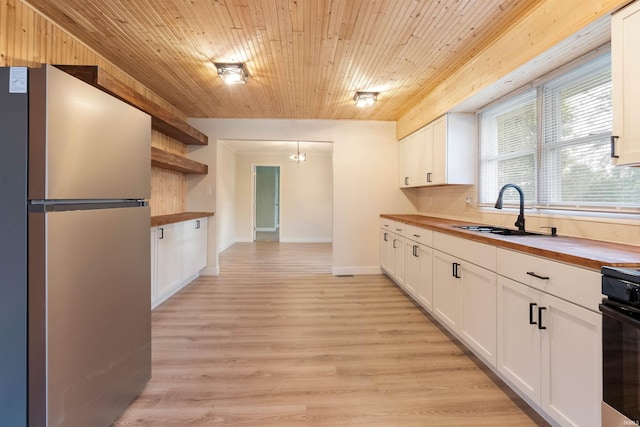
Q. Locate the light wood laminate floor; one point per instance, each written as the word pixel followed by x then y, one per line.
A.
pixel 276 340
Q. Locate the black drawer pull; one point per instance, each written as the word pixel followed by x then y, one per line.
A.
pixel 613 147
pixel 531 273
pixel 531 321
pixel 385 237
pixel 456 273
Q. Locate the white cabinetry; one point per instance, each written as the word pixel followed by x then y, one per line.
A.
pixel 418 281
pixel 194 253
pixel 178 253
pixel 625 67
pixel 548 348
pixel 392 249
pixel 410 147
pixel 169 259
pixel 464 291
pixel 443 151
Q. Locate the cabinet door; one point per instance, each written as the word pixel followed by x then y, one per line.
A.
pixel 426 172
pixel 409 159
pixel 439 152
pixel 518 338
pixel 447 290
pixel 194 249
pixel 478 326
pixel 625 67
pixel 385 243
pixel 424 284
pixel 398 248
pixel 169 256
pixel 571 362
pixel 154 266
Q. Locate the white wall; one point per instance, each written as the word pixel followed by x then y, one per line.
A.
pixel 306 198
pixel 365 170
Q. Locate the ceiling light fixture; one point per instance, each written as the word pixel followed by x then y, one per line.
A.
pixel 232 73
pixel 298 157
pixel 365 99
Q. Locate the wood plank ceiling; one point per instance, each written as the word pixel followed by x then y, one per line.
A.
pixel 306 58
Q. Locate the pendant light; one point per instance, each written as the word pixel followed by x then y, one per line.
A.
pixel 298 157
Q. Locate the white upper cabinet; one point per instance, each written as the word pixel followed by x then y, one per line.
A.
pixel 625 63
pixel 410 159
pixel 442 152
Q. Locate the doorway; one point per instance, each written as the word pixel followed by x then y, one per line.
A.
pixel 266 203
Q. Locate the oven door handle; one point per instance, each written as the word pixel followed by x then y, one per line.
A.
pixel 618 313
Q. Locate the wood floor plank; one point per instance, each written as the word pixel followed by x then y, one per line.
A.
pixel 276 340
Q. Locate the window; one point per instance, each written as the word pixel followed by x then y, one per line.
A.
pixel 553 141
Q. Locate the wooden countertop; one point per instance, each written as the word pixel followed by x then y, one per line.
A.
pixel 581 252
pixel 179 217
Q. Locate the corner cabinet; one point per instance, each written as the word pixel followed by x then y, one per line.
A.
pixel 625 69
pixel 440 153
pixel 178 253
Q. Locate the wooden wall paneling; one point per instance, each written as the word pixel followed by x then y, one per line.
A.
pixel 168 192
pixel 523 41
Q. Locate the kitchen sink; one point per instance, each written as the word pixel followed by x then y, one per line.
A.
pixel 501 231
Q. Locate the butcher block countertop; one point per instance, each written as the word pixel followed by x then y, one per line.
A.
pixel 159 220
pixel 581 252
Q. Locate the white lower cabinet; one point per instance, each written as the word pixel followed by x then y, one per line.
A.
pixel 169 259
pixel 392 249
pixel 550 349
pixel 464 292
pixel 419 265
pixel 194 246
pixel 532 319
pixel 178 253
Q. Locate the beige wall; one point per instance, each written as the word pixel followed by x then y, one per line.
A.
pixel 365 162
pixel 306 197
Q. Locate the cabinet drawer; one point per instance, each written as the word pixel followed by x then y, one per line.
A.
pixel 387 224
pixel 418 234
pixel 468 250
pixel 575 284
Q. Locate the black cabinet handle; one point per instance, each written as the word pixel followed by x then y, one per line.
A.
pixel 161 233
pixel 531 321
pixel 394 243
pixel 456 273
pixel 429 176
pixel 385 237
pixel 415 251
pixel 406 180
pixel 613 146
pixel 540 310
pixel 531 273
pixel 197 224
pixel 416 235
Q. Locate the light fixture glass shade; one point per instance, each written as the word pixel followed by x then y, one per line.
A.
pixel 365 99
pixel 232 73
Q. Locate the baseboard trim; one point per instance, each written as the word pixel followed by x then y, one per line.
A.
pixel 210 271
pixel 306 239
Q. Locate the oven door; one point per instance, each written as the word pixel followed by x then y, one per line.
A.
pixel 621 361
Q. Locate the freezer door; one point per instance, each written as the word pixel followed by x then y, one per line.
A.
pixel 90 316
pixel 84 143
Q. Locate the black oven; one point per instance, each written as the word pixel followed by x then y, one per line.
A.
pixel 620 347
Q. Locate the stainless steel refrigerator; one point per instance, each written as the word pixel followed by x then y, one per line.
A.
pixel 74 251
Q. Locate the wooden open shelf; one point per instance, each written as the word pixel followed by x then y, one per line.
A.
pixel 159 220
pixel 162 120
pixel 165 160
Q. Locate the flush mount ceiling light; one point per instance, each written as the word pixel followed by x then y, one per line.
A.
pixel 298 157
pixel 232 73
pixel 365 99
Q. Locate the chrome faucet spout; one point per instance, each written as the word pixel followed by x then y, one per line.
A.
pixel 520 221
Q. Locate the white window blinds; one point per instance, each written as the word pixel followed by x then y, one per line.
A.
pixel 554 141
